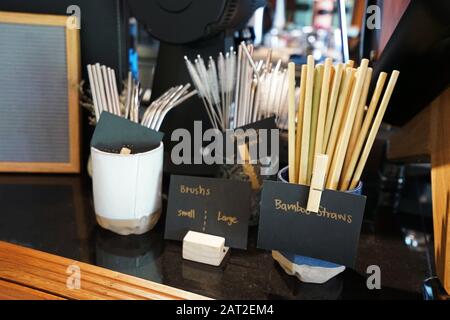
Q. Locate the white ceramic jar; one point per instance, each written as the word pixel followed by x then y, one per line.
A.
pixel 127 190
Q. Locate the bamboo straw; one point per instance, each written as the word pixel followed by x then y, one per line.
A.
pixel 358 118
pixel 291 124
pixel 332 73
pixel 314 116
pixel 364 130
pixel 338 157
pixel 303 173
pixel 338 75
pixel 338 138
pixel 300 111
pixel 336 124
pixel 375 127
pixel 323 106
pixel 349 96
pixel 363 100
pixel 248 168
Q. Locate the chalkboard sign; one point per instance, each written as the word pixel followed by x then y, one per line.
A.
pixel 331 234
pixel 214 206
pixel 39 105
pixel 113 132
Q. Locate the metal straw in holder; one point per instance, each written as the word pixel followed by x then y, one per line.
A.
pixel 127 190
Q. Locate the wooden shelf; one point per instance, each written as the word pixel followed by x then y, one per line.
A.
pixel 30 274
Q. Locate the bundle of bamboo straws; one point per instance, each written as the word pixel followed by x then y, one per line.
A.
pixel 334 119
pixel 236 90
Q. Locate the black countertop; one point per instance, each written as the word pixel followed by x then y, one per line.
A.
pixel 55 214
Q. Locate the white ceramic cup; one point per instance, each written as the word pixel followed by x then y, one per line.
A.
pixel 127 189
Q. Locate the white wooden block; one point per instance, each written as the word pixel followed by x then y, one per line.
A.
pixel 204 248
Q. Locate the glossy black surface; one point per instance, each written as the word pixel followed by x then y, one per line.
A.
pixel 55 214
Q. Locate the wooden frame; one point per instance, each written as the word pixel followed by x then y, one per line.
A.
pixel 73 80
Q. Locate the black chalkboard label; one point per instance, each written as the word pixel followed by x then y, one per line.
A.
pixel 267 124
pixel 250 139
pixel 332 234
pixel 113 132
pixel 214 206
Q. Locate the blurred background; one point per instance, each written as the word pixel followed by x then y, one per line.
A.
pixel 291 28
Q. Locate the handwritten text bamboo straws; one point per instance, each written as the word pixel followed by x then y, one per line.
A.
pixel 106 97
pixel 236 90
pixel 332 120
